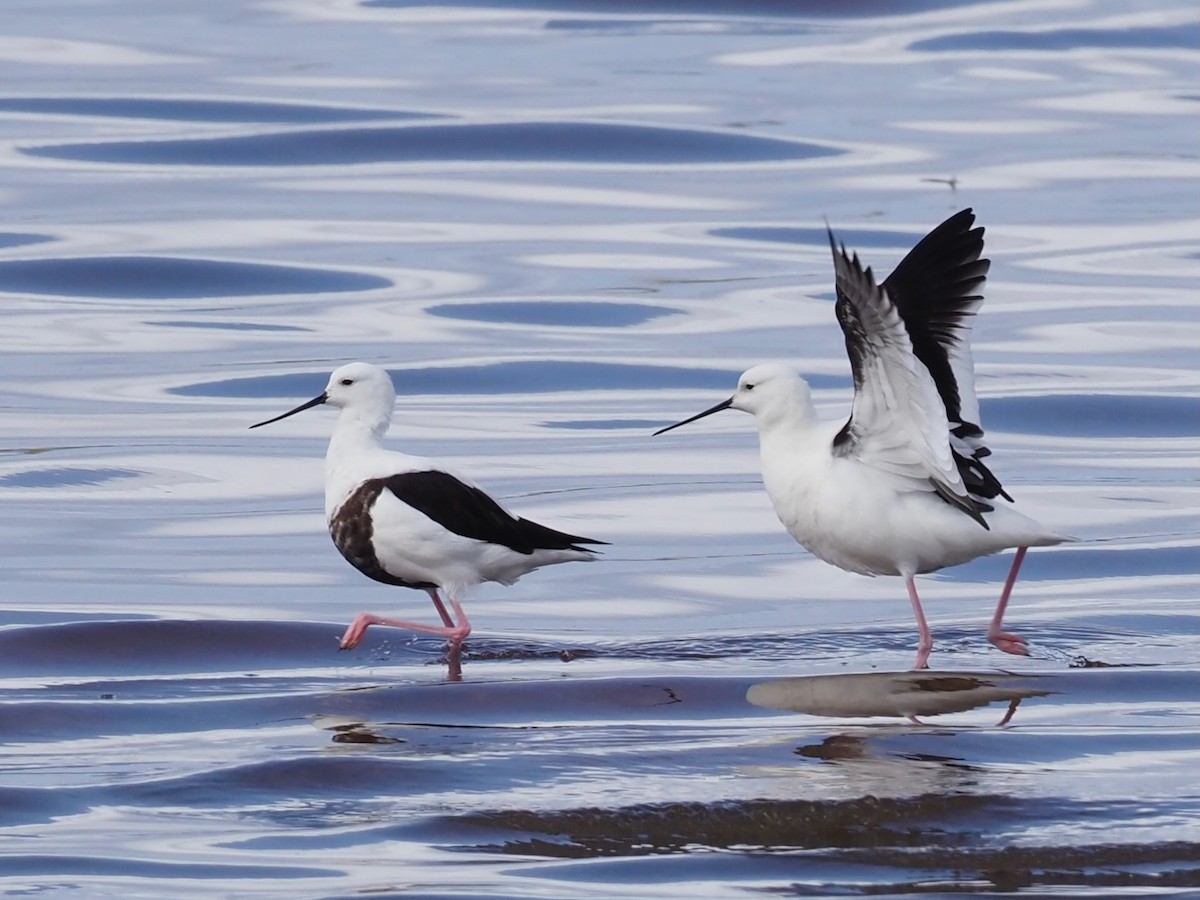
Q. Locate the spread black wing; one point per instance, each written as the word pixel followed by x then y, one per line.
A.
pixel 938 289
pixel 897 423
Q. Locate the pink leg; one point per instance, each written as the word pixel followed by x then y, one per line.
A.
pixel 1009 643
pixel 464 624
pixel 454 663
pixel 454 651
pixel 1012 708
pixel 437 602
pixel 454 633
pixel 924 639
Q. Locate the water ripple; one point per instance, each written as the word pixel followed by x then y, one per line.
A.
pixel 164 277
pixel 577 313
pixel 19 239
pixel 561 225
pixel 185 109
pixel 573 142
pixel 1167 37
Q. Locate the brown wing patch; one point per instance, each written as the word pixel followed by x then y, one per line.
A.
pixel 353 531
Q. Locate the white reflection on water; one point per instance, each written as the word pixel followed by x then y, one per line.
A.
pixel 43 51
pixel 523 192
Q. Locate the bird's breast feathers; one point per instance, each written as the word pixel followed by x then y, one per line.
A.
pixel 858 517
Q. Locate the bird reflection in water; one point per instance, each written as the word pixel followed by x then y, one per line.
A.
pixel 910 694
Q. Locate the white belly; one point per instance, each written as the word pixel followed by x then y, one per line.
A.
pixel 873 523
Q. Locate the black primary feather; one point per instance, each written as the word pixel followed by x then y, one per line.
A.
pixel 934 289
pixel 937 287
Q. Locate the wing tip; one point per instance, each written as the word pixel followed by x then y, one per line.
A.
pixel 832 240
pixel 846 262
pixel 589 541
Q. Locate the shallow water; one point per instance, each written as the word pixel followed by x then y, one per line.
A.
pixel 562 225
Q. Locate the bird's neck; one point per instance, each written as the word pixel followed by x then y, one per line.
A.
pixel 786 420
pixel 356 432
pixel 794 449
pixel 354 448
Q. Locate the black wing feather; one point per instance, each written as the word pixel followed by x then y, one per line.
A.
pixel 468 511
pixel 856 331
pixel 936 288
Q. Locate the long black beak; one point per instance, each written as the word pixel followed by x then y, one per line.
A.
pixel 315 401
pixel 724 404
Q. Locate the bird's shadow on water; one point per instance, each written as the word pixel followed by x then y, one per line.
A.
pixel 517 680
pixel 909 803
pixel 909 694
pixel 667 699
pixel 904 695
pixel 805 795
pixel 596 677
pixel 645 756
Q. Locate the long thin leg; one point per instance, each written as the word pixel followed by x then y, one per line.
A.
pixel 1009 643
pixel 454 663
pixel 454 632
pixel 437 602
pixel 924 638
pixel 1012 708
pixel 462 629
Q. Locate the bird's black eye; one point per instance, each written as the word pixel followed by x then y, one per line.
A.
pixel 346 382
pixel 748 387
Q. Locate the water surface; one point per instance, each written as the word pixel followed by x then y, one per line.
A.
pixel 561 226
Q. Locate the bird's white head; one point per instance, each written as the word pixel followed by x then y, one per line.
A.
pixel 771 392
pixel 363 392
pixel 362 386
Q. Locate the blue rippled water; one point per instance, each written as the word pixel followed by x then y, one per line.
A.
pixel 561 226
pixel 570 142
pixel 164 278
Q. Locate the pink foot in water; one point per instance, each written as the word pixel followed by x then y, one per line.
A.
pixel 1009 643
pixel 454 633
pixel 454 663
pixel 358 630
pixel 922 660
pixel 1012 708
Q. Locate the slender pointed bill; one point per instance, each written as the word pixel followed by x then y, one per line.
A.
pixel 724 404
pixel 315 401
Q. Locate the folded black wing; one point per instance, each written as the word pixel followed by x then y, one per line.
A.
pixel 468 511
